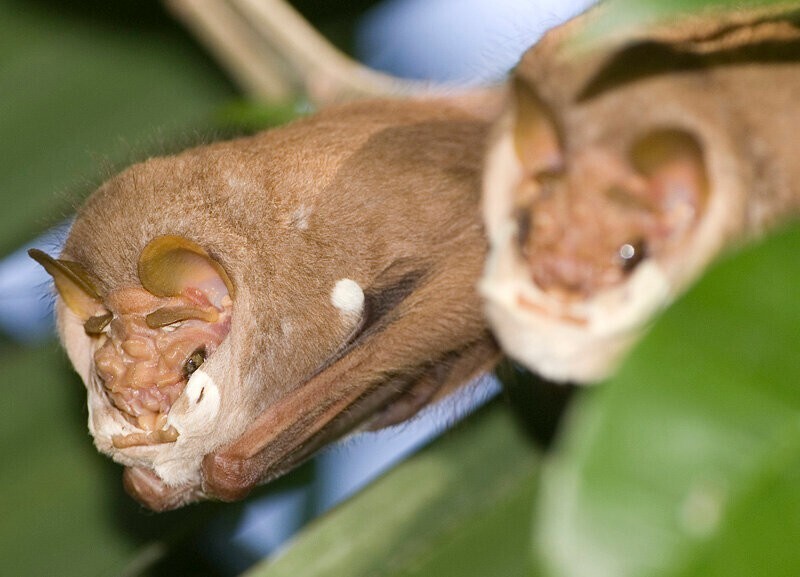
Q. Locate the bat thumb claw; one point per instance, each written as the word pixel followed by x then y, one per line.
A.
pixel 229 478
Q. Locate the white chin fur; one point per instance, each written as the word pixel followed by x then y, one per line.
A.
pixel 193 416
pixel 556 347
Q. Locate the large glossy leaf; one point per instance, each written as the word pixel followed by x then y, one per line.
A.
pixel 54 494
pixel 460 508
pixel 688 462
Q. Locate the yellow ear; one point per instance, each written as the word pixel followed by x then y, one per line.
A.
pixel 170 264
pixel 672 161
pixel 73 283
pixel 535 136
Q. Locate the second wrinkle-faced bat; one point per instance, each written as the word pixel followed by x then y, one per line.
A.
pixel 234 307
pixel 628 160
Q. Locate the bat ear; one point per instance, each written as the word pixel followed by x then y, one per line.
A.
pixel 74 284
pixel 674 168
pixel 535 136
pixel 169 265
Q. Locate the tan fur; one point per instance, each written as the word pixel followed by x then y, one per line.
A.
pixel 727 82
pixel 382 193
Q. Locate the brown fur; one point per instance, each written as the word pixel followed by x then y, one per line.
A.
pixel 383 193
pixel 733 86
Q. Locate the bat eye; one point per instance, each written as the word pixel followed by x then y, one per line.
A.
pixel 523 218
pixel 193 362
pixel 632 254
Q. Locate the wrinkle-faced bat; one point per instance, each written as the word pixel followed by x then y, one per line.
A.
pixel 236 306
pixel 627 161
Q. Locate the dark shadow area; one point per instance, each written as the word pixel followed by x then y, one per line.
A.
pixel 198 538
pixel 334 19
pixel 652 58
pixel 537 404
pixel 138 15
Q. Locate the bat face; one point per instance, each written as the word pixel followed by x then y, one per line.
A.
pixel 140 371
pixel 587 230
pixel 139 350
pixel 624 165
pixel 583 252
pixel 144 369
pixel 234 308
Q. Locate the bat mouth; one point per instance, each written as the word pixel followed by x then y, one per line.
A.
pixel 582 340
pixel 147 409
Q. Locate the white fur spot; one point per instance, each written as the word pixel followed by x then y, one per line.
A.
pixel 193 416
pixel 197 406
pixel 301 216
pixel 347 296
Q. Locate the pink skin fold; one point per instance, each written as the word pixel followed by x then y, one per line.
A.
pixel 144 369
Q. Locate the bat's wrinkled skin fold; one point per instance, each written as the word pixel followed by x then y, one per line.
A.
pixel 144 370
pixel 625 163
pixel 233 308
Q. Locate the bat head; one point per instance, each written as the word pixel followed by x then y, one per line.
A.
pixel 584 232
pixel 139 348
pixel 586 227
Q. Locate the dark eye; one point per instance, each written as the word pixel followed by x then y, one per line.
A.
pixel 631 254
pixel 193 362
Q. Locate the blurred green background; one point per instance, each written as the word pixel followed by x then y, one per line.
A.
pixel 685 464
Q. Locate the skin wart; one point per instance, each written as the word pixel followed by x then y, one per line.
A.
pixel 145 369
pixel 573 252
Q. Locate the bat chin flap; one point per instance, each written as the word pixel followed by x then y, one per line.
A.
pixel 228 478
pixel 146 487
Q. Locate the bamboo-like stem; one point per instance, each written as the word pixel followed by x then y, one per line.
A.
pixel 233 42
pixel 272 52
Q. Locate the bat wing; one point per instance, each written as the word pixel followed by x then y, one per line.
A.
pixel 389 370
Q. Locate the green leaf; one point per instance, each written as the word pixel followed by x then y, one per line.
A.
pixel 687 463
pixel 54 488
pixel 619 19
pixel 461 507
pixel 80 92
pixel 250 116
